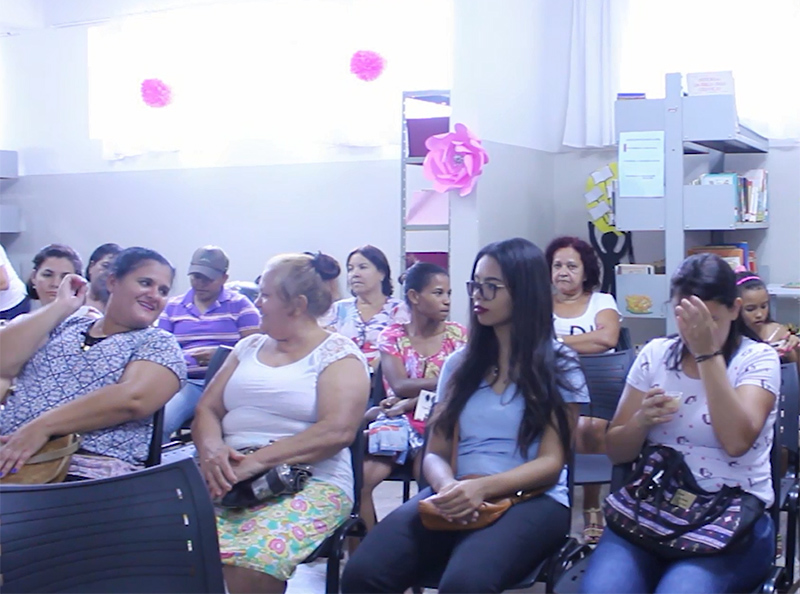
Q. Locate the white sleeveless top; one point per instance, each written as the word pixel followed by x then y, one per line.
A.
pixel 16 290
pixel 266 403
pixel 585 322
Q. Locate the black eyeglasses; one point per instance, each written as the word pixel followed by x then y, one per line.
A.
pixel 488 290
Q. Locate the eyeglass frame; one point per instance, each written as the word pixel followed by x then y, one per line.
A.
pixel 472 285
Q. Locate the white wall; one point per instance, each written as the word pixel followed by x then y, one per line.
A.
pixel 251 212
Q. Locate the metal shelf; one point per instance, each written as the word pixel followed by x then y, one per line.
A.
pixel 408 227
pixel 441 97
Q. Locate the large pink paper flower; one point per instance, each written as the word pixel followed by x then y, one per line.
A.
pixel 367 65
pixel 156 93
pixel 454 160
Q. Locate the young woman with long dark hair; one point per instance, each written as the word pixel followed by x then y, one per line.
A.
pixel 511 398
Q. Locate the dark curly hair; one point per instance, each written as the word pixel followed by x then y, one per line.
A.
pixel 591 265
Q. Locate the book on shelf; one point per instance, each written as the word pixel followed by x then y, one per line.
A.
pixel 630 96
pixel 734 255
pixel 634 269
pixel 751 192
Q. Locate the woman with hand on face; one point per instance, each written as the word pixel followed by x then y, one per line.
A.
pixel 728 382
pixel 295 394
pixel 510 396
pixel 412 356
pixel 372 307
pixel 589 322
pixel 103 378
pixel 756 314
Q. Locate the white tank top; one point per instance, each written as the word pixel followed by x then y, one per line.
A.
pixel 267 403
pixel 16 291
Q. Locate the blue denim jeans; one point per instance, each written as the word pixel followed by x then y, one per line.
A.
pixel 180 407
pixel 617 565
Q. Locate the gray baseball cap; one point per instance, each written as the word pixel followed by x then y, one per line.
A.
pixel 209 261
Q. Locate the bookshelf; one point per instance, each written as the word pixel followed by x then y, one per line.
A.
pixel 693 125
pixel 431 235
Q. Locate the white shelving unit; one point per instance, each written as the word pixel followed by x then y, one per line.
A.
pixel 692 125
pixel 419 237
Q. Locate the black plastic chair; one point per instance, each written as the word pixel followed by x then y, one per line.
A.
pixel 334 546
pixel 148 531
pixel 214 365
pixel 605 380
pixel 624 342
pixel 154 453
pixel 789 486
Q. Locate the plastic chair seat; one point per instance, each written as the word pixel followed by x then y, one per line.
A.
pixel 592 469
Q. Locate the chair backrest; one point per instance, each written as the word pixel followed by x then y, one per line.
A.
pixel 377 390
pixel 624 342
pixel 789 408
pixel 216 361
pixel 605 379
pixel 148 531
pixel 357 449
pixel 154 454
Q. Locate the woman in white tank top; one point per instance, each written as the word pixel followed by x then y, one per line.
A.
pixel 295 394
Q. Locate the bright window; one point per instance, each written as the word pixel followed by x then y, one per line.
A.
pixel 757 40
pixel 276 72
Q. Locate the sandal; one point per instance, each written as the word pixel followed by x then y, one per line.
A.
pixel 593 526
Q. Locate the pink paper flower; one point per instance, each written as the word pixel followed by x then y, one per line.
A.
pixel 367 65
pixel 156 93
pixel 454 161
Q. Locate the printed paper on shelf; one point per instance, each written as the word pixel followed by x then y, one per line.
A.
pixel 593 195
pixel 602 174
pixel 710 83
pixel 598 211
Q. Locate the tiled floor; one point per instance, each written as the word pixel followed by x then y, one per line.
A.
pixel 310 579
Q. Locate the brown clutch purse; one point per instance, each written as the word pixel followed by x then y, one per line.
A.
pixel 488 513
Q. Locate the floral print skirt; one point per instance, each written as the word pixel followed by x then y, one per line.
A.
pixel 277 536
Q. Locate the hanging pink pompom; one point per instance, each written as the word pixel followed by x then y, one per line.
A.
pixel 156 93
pixel 367 65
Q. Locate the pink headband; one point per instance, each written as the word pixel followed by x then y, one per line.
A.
pixel 741 281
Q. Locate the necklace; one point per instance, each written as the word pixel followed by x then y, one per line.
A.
pixel 89 341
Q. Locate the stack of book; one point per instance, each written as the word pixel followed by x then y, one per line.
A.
pixel 751 192
pixel 629 96
pixel 736 254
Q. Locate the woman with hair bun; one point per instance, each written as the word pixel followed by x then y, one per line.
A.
pixel 295 394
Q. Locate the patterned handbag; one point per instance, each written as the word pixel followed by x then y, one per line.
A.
pixel 663 510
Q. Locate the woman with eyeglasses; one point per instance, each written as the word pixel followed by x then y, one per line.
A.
pixel 507 403
pixel 589 322
pixel 372 308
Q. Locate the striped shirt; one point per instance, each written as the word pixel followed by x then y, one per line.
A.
pixel 221 324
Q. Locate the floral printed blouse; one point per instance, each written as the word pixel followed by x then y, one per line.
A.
pixel 345 319
pixel 395 341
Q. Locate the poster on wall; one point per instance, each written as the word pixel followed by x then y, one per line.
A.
pixel 641 164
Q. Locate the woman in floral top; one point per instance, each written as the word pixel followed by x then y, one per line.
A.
pixel 372 308
pixel 412 355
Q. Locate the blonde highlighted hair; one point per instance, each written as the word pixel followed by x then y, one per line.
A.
pixel 305 275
